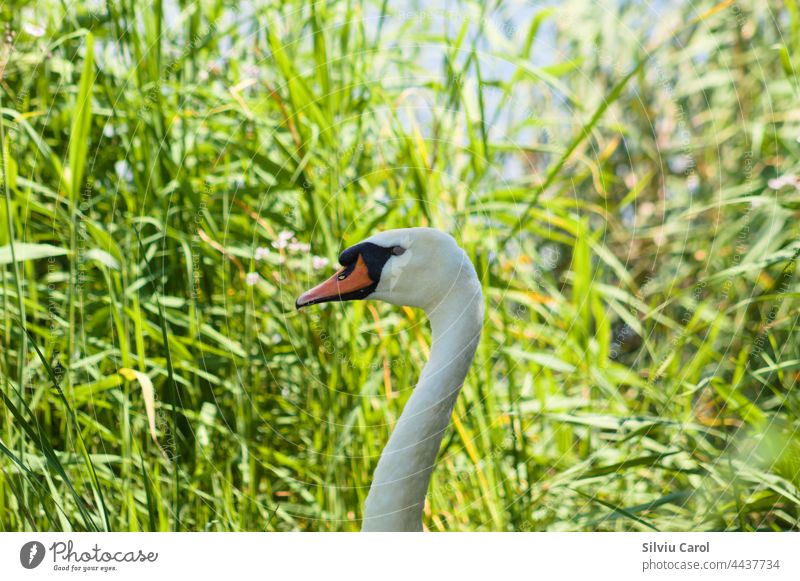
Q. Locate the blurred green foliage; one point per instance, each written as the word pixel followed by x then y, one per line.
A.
pixel 624 177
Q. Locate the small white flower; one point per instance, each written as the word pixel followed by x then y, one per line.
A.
pixel 296 246
pixel 124 171
pixel 784 180
pixel 33 29
pixel 252 279
pixel 319 262
pixel 261 253
pixel 276 338
pixel 283 239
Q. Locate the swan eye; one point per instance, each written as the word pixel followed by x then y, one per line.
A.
pixel 342 276
pixel 398 250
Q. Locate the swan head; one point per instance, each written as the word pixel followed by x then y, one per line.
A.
pixel 415 267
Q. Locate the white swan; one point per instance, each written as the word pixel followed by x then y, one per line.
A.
pixel 425 268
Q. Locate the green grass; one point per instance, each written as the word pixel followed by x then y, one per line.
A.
pixel 613 175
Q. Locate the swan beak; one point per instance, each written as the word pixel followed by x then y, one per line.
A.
pixel 349 283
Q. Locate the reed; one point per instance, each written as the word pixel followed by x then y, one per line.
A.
pixel 175 175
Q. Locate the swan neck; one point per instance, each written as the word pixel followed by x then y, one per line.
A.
pixel 400 483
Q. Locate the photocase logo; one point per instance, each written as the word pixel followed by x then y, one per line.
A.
pixel 31 554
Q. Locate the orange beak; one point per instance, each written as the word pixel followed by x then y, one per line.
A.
pixel 342 286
